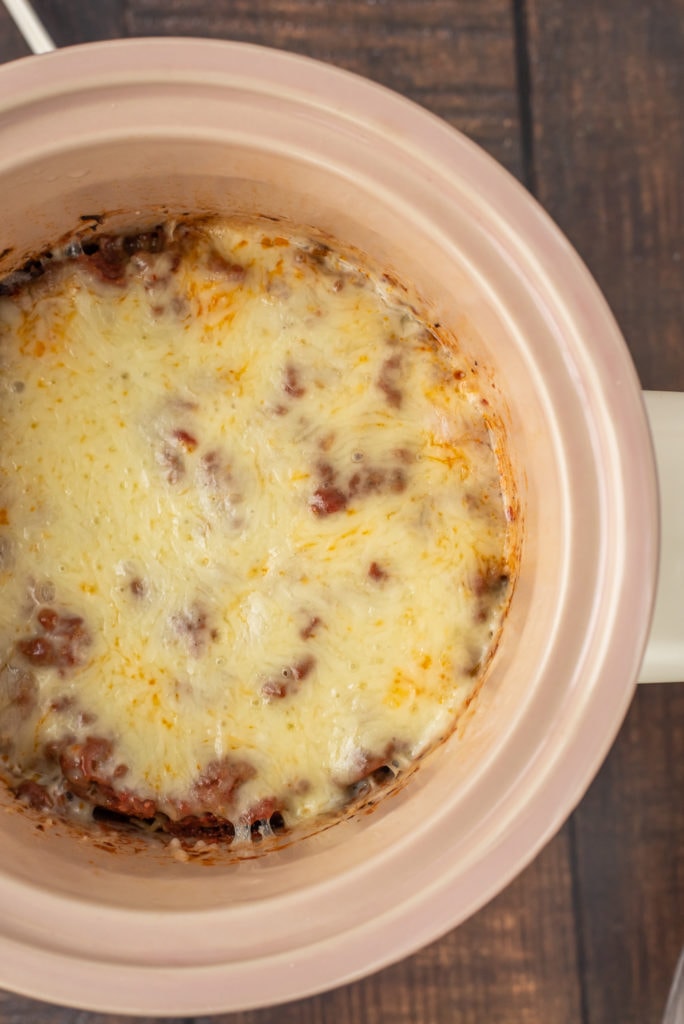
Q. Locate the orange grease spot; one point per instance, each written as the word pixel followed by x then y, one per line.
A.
pixel 268 243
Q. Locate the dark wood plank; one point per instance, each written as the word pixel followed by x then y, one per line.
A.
pixel 15 1010
pixel 454 57
pixel 607 149
pixel 73 21
pixel 629 834
pixel 607 85
pixel 12 44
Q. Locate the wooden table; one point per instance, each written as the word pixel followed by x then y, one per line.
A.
pixel 583 100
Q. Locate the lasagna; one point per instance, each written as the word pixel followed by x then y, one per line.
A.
pixel 254 545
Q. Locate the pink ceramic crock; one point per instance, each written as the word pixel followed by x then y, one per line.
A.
pixel 140 127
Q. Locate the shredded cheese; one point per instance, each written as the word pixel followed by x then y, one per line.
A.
pixel 269 493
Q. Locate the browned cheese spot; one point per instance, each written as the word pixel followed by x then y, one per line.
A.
pixel 290 678
pixel 291 382
pixel 185 440
pixel 325 501
pixel 310 629
pixel 61 642
pixel 390 379
pixel 34 795
pixel 192 625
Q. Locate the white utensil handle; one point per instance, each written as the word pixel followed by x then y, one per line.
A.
pixel 30 26
pixel 664 658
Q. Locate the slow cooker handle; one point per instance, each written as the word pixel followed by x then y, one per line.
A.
pixel 664 658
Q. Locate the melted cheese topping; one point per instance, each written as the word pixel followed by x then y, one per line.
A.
pixel 252 535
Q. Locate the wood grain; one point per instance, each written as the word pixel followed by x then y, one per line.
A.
pixel 82 21
pixel 607 88
pixel 628 835
pixel 12 45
